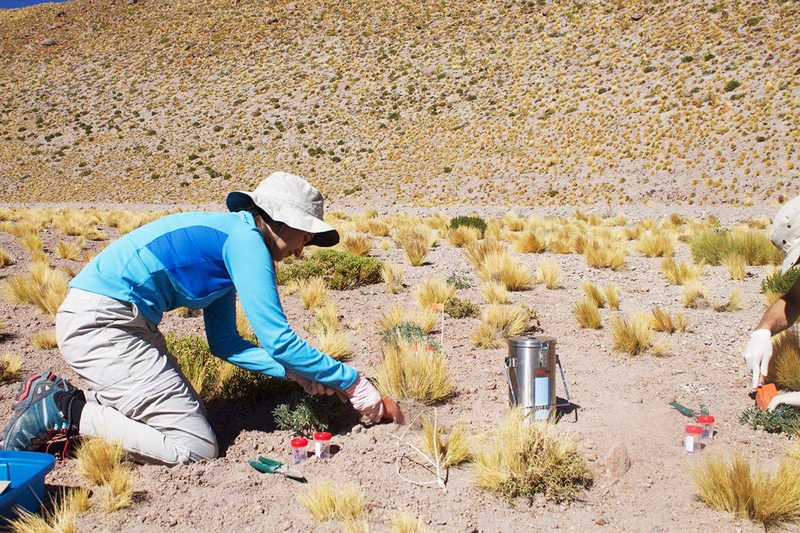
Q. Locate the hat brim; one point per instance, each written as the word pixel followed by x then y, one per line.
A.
pixel 791 258
pixel 325 235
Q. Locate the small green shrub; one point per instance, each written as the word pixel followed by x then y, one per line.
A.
pixel 471 221
pixel 732 85
pixel 459 281
pixel 784 419
pixel 779 284
pixel 340 270
pixel 309 415
pixel 408 332
pixel 458 308
pixel 753 245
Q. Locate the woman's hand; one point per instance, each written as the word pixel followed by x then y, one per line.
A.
pixel 311 387
pixel 365 398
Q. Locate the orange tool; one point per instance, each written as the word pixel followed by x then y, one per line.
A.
pixel 765 394
pixel 392 411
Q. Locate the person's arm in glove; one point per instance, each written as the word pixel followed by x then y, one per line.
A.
pixel 779 316
pixel 365 398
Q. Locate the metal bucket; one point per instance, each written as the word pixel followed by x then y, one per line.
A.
pixel 530 372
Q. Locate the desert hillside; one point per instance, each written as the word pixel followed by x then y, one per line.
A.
pixel 422 102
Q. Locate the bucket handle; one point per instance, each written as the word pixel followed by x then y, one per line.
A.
pixel 510 362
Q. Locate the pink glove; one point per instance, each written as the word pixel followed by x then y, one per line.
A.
pixel 365 398
pixel 311 387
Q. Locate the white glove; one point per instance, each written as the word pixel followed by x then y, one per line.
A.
pixel 788 398
pixel 311 387
pixel 365 398
pixel 757 354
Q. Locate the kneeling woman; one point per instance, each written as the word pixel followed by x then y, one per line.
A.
pixel 107 327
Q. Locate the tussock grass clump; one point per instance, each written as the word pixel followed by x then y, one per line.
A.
pixel 656 244
pixel 549 273
pixel 61 517
pixel 731 485
pixel 451 446
pixel 499 322
pixel 784 367
pixel 357 244
pixel 44 340
pixel 434 291
pixel 611 293
pixel 326 501
pixel 634 335
pixel 734 303
pixel 587 314
pixel 459 308
pixel 69 250
pixel 506 269
pixel 335 344
pixel 529 242
pixel 101 463
pixel 414 371
pixel 593 294
pixel 44 287
pixel 424 319
pixel 604 255
pixel 736 265
pixel 32 242
pixel 405 522
pixel 661 320
pixel 777 284
pixel 313 293
pixel 680 273
pixel 10 365
pixel 495 292
pixel 340 270
pixel 695 294
pixel 476 253
pixel 5 258
pixel 462 236
pixel 392 276
pixel 522 460
pixel 415 242
pixel 753 245
pixel 117 492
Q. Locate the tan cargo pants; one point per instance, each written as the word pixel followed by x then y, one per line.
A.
pixel 140 397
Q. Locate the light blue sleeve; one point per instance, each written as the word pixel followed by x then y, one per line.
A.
pixel 250 267
pixel 225 342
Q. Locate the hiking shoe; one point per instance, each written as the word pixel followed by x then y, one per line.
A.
pixel 37 421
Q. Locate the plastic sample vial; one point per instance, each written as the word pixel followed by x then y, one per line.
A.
pixel 322 444
pixel 707 423
pixel 299 453
pixel 692 439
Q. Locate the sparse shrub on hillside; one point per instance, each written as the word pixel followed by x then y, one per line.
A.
pixel 5 258
pixel 506 269
pixel 458 308
pixel 415 372
pixel 587 314
pixel 458 281
pixel 495 292
pixel 434 292
pixel 779 284
pixel 680 273
pixel 309 415
pixel 340 270
pixel 392 276
pixel 469 221
pixel 44 287
pixel 753 245
pixel 357 244
pixel 415 242
pixel 498 322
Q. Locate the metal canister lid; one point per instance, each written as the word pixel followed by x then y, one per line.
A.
pixel 523 341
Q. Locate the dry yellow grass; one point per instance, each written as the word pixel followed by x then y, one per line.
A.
pixel 661 320
pixel 117 492
pixel 476 253
pixel 462 236
pixel 452 447
pixel 736 265
pixel 784 367
pixel 529 242
pixel 549 273
pixel 10 365
pixel 405 522
pixel 604 255
pixel 32 242
pixel 695 294
pixel 326 501
pixel 357 244
pixel 656 244
pixel 5 258
pixel 43 287
pixel 44 340
pixel 62 517
pixel 498 322
pixel 593 294
pixel 680 273
pixel 434 291
pixel 313 292
pixel 587 314
pixel 69 250
pixel 495 292
pixel 611 293
pixel 520 459
pixel 242 324
pixel 734 303
pixel 415 372
pixel 97 460
pixel 335 344
pixel 500 266
pixel 392 276
pixel 634 335
pixel 415 242
pixel 732 486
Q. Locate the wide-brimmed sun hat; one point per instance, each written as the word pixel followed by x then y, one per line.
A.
pixel 289 199
pixel 786 233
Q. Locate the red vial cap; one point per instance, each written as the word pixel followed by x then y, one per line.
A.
pixel 706 419
pixel 322 435
pixel 695 430
pixel 299 442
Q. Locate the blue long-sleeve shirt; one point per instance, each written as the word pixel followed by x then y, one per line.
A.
pixel 202 260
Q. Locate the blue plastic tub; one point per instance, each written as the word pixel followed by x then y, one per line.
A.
pixel 26 471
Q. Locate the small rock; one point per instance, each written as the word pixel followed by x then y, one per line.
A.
pixel 173 522
pixel 272 20
pixel 618 461
pixel 601 521
pixel 637 16
pixel 47 42
pixel 591 456
pixel 546 10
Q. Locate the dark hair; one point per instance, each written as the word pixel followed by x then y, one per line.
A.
pixel 263 223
